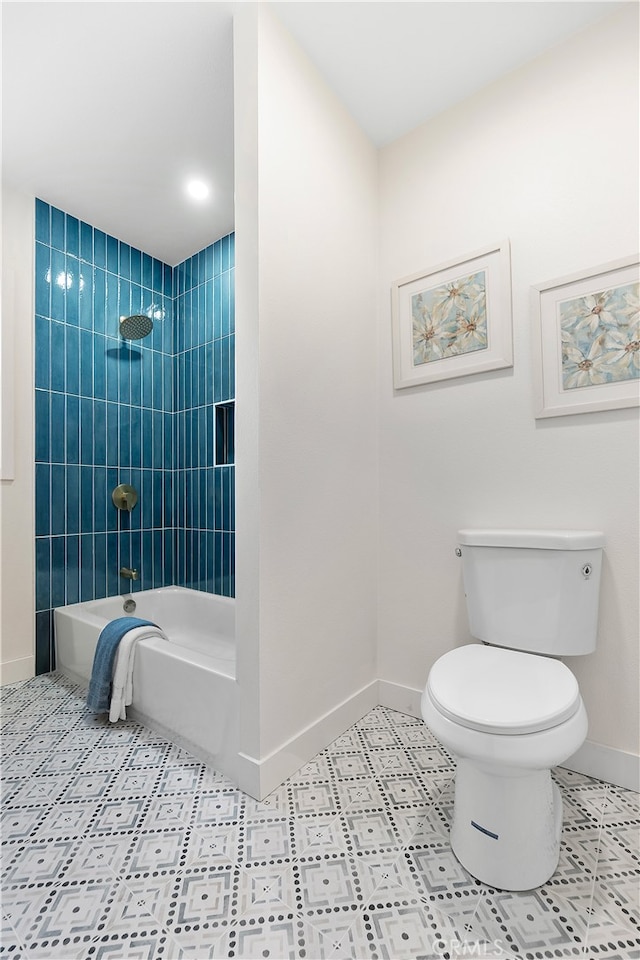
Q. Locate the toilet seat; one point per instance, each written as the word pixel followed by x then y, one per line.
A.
pixel 501 691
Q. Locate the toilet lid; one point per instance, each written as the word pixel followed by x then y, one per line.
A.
pixel 502 691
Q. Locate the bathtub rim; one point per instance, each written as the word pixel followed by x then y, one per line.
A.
pixel 88 606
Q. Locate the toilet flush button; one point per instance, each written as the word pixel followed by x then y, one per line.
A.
pixel 586 571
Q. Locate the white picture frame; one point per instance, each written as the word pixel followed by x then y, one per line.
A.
pixel 453 319
pixel 586 340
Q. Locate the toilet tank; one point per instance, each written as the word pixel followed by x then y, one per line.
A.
pixel 534 590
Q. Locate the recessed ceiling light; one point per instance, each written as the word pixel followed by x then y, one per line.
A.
pixel 197 189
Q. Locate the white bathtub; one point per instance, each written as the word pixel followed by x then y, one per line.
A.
pixel 183 687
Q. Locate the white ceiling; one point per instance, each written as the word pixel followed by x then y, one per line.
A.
pixel 108 107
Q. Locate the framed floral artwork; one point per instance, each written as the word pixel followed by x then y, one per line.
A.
pixel 453 319
pixel 587 340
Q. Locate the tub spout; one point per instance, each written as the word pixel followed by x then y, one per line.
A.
pixel 128 574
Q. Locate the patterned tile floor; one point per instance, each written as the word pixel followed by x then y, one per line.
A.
pixel 117 844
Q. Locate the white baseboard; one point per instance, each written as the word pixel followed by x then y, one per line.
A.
pixel 397 697
pixel 12 671
pixel 260 777
pixel 604 763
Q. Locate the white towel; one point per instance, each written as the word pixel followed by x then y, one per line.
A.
pixel 122 683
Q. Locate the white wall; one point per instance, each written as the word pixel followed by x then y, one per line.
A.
pixel 305 343
pixel 247 432
pixel 548 157
pixel 17 590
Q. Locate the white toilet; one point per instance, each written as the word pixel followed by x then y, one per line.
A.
pixel 508 711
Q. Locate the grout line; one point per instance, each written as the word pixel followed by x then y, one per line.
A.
pixel 19 939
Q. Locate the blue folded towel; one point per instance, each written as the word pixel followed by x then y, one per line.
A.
pixel 99 692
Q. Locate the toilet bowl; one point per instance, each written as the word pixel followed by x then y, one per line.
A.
pixel 505 708
pixel 507 816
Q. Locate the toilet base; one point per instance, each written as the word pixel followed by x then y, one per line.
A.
pixel 506 825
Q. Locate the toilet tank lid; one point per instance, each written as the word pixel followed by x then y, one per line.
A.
pixel 536 539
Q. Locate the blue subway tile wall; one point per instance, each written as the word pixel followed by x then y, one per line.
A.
pixel 204 353
pixel 107 412
pixel 104 416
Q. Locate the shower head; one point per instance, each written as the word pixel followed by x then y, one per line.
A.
pixel 135 327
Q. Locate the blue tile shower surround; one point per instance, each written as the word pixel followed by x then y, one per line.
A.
pixel 204 345
pixel 110 411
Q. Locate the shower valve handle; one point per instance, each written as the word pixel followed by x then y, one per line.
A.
pixel 125 497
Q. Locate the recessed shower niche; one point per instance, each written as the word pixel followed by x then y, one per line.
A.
pixel 145 416
pixel 225 425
